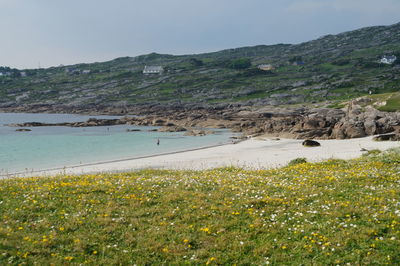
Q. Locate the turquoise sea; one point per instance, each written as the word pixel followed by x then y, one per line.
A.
pixel 55 147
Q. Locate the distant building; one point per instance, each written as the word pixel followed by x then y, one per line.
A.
pixel 86 71
pixel 1 74
pixel 153 70
pixel 388 59
pixel 23 74
pixel 298 63
pixel 266 67
pixel 72 70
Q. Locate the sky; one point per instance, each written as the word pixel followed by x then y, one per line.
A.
pixel 52 32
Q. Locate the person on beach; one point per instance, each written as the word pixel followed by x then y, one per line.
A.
pixel 158 142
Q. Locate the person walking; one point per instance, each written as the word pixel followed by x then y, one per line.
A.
pixel 158 142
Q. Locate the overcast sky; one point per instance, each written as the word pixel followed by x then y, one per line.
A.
pixel 54 32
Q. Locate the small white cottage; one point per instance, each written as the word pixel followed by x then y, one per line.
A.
pixel 266 67
pixel 153 70
pixel 388 59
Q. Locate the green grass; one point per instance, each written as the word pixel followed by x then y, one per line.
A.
pixel 334 212
pixel 392 104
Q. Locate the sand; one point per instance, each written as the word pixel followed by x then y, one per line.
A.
pixel 256 153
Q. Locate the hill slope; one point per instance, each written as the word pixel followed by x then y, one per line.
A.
pixel 333 67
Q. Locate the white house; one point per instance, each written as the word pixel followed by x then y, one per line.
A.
pixel 266 67
pixel 153 70
pixel 388 59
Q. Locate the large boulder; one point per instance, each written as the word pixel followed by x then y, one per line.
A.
pixel 355 130
pixel 311 143
pixel 370 127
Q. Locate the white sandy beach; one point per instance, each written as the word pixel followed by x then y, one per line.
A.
pixel 258 153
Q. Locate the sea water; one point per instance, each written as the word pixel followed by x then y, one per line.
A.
pixel 57 146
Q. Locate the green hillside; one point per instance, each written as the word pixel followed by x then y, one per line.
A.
pixel 333 67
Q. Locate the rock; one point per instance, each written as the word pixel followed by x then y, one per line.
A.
pixel 355 131
pixel 198 132
pixel 387 137
pixel 172 129
pixel 23 129
pixel 311 143
pixel 132 130
pixel 370 127
pixel 158 122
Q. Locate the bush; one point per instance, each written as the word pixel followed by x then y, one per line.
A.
pixel 297 161
pixel 195 62
pixel 241 63
pixel 341 62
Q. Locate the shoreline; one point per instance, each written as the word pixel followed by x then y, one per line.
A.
pixel 255 153
pixel 10 175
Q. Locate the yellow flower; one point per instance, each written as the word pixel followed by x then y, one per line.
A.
pixel 61 228
pixel 205 229
pixel 69 258
pixel 94 252
pixel 211 260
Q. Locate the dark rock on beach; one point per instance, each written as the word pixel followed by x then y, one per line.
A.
pixel 387 137
pixel 23 130
pixel 311 143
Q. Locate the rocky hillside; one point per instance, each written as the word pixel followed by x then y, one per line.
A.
pixel 331 69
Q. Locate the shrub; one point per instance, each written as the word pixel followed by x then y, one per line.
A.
pixel 241 63
pixel 297 161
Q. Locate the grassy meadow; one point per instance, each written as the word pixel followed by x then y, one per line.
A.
pixel 334 212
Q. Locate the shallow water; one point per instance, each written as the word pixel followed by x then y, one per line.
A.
pixel 51 147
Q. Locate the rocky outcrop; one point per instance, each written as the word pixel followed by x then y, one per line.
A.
pixel 23 130
pixel 198 132
pixel 172 129
pixel 92 122
pixel 301 123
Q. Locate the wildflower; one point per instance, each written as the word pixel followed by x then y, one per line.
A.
pixel 68 258
pixel 205 229
pixel 210 260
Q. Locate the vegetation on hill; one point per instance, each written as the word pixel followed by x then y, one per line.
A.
pixel 334 212
pixel 334 67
